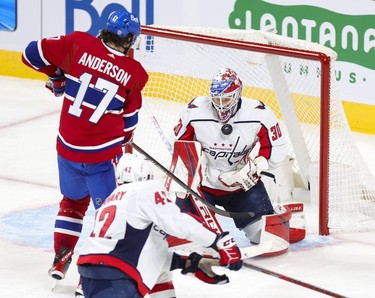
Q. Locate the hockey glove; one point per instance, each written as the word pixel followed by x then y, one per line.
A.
pixel 201 268
pixel 247 175
pixel 261 164
pixel 56 85
pixel 230 254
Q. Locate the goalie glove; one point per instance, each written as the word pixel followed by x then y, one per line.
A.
pixel 201 268
pixel 247 175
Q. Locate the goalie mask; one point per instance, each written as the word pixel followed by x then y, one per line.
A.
pixel 225 90
pixel 132 168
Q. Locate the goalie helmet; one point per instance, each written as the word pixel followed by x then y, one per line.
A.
pixel 122 23
pixel 225 90
pixel 132 168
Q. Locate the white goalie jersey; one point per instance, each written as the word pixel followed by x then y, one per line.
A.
pixel 131 228
pixel 225 144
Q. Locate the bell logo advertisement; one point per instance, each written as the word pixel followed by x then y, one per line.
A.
pixel 352 36
pixel 99 17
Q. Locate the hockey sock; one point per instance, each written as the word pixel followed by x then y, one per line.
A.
pixel 68 224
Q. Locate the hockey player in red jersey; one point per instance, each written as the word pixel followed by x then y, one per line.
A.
pixel 240 138
pixel 101 88
pixel 127 252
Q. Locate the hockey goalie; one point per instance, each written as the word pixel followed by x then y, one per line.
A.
pixel 237 141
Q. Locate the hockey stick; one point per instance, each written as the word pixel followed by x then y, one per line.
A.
pixel 158 128
pixel 189 190
pixel 247 252
pixel 190 154
pixel 207 215
pixel 292 280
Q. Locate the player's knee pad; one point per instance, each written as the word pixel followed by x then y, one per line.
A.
pixel 273 228
pixel 297 223
pixel 164 287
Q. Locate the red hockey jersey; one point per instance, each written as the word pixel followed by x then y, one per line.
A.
pixel 102 94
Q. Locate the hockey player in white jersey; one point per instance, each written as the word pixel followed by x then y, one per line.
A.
pixel 240 138
pixel 127 253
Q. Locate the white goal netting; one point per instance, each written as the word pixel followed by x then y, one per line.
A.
pixel 289 81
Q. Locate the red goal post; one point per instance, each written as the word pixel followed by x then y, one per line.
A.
pixel 295 78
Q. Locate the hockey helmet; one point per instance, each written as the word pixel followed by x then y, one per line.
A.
pixel 225 90
pixel 122 23
pixel 132 168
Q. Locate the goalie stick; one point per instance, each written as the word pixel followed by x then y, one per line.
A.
pixel 292 280
pixel 189 190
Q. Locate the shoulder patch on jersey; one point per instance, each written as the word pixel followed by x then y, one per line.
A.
pixel 178 127
pixel 191 105
pixel 261 106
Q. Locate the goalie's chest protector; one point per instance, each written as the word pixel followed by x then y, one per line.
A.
pixel 225 144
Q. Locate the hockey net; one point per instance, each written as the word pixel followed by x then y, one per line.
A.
pixel 295 78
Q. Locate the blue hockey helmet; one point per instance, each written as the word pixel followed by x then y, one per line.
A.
pixel 122 22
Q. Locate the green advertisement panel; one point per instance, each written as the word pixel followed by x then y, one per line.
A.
pixel 351 35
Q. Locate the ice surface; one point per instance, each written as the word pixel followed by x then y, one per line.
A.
pixel 340 263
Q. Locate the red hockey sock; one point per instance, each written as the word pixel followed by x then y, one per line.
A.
pixel 68 224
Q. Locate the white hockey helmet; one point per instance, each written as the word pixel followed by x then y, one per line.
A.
pixel 225 90
pixel 132 168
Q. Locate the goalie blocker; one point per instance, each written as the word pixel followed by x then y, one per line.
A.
pixel 274 227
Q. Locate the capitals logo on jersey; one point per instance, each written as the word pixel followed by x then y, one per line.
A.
pixel 229 152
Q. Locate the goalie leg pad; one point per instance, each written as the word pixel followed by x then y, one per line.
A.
pixel 253 231
pixel 273 228
pixel 297 222
pixel 277 230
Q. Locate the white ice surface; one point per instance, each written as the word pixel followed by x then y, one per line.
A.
pixel 340 263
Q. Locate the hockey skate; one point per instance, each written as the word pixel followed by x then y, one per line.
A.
pixel 79 291
pixel 61 264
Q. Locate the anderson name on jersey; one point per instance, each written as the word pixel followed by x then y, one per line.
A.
pixel 102 94
pixel 253 122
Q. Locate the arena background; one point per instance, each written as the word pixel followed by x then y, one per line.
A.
pixel 343 25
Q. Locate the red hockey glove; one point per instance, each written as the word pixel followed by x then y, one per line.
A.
pixel 56 85
pixel 230 254
pixel 201 268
